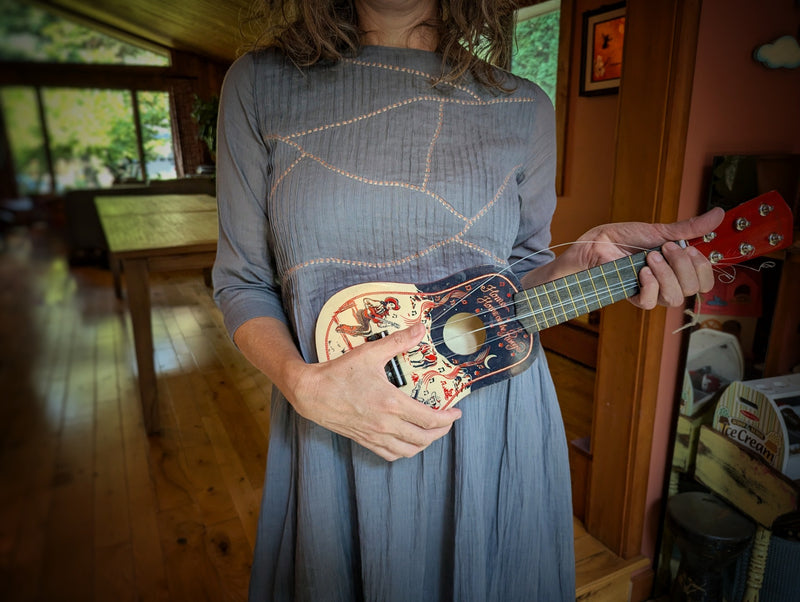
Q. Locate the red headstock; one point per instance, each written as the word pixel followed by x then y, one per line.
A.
pixel 757 227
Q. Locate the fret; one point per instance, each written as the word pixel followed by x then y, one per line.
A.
pixel 620 279
pixel 632 272
pixel 526 313
pixel 541 306
pixel 579 280
pixel 602 287
pixel 550 304
pixel 611 278
pixel 562 299
pixel 594 288
pixel 561 305
pixel 575 311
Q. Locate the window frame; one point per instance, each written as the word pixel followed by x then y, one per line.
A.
pixel 567 8
pixel 133 79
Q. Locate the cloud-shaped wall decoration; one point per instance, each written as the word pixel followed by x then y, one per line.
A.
pixel 783 52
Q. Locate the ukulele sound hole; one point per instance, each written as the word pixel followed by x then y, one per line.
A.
pixel 464 334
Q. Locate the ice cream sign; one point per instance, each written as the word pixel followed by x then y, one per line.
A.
pixel 764 416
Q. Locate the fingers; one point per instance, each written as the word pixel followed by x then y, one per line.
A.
pixel 399 341
pixel 414 423
pixel 673 275
pixel 677 276
pixel 405 444
pixel 401 427
pixel 705 271
pixel 356 400
pixel 695 226
pixel 648 289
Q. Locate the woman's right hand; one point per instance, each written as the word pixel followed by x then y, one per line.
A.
pixel 351 396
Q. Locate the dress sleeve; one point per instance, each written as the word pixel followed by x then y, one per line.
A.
pixel 537 195
pixel 243 275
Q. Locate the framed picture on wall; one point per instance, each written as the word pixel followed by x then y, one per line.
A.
pixel 602 43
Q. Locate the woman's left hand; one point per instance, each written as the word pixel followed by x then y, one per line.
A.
pixel 669 276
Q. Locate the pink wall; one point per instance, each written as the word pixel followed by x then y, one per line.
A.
pixel 738 106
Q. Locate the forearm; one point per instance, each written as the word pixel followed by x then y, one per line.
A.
pixel 561 266
pixel 349 395
pixel 268 345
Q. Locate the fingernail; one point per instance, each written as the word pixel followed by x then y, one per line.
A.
pixel 657 257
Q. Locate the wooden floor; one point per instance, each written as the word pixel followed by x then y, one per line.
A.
pixel 90 507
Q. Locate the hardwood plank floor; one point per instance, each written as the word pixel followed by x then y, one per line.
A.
pixel 575 387
pixel 91 508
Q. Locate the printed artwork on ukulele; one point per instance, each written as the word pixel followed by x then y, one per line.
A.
pixel 471 334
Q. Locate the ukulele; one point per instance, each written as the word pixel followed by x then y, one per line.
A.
pixel 481 325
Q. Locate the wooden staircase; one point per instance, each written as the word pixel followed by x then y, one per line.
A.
pixel 600 575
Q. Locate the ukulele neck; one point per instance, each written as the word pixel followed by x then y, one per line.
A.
pixel 563 299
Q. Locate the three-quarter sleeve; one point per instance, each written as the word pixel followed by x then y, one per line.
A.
pixel 537 195
pixel 243 274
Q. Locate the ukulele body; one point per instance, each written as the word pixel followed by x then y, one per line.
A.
pixel 472 338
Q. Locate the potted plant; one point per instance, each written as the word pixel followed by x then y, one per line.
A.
pixel 204 113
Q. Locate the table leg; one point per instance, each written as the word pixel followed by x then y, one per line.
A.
pixel 116 268
pixel 137 281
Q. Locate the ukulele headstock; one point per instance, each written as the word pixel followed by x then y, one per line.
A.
pixel 754 228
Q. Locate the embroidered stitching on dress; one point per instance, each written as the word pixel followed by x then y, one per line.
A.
pixel 395 262
pixel 456 238
pixel 365 180
pixel 396 105
pixel 285 173
pixel 428 76
pixel 290 140
pixel 429 158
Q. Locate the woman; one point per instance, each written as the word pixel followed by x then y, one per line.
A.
pixel 371 145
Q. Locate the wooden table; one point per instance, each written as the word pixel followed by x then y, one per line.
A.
pixel 155 234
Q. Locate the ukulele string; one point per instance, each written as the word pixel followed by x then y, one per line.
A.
pixel 725 272
pixel 508 267
pixel 565 301
pixel 542 313
pixel 725 276
pixel 478 287
pixel 719 268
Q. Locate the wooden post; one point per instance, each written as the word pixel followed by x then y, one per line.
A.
pixel 654 100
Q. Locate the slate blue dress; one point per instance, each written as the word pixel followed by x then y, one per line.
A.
pixel 364 171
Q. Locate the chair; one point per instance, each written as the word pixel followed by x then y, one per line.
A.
pixel 756 489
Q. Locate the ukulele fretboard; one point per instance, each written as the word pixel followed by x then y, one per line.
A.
pixel 566 298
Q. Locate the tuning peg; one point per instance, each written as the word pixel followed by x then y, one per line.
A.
pixel 746 248
pixel 741 223
pixel 709 237
pixel 715 257
pixel 764 209
pixel 775 239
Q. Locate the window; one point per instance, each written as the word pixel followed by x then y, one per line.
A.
pixel 159 154
pixel 80 137
pixel 30 34
pixel 535 52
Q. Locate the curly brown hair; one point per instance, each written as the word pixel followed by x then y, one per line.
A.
pixel 474 36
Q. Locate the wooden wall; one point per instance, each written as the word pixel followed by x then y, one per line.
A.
pixel 591 123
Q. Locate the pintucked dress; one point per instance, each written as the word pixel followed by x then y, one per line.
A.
pixel 362 170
